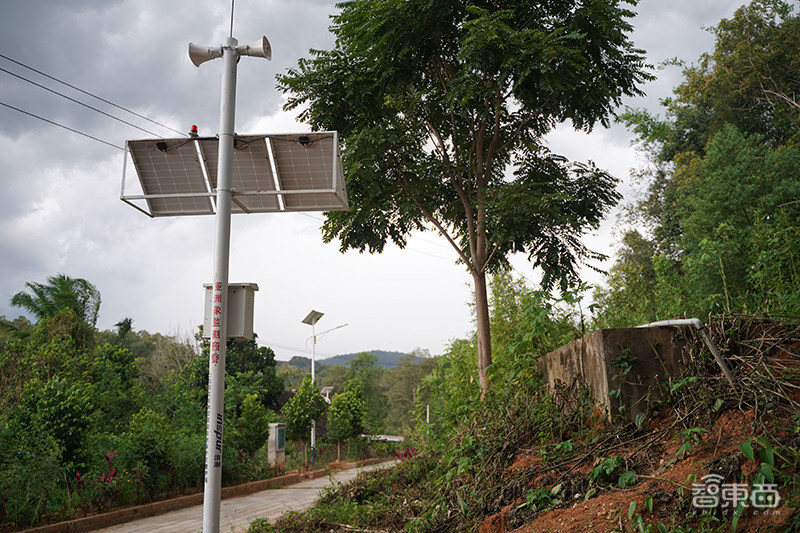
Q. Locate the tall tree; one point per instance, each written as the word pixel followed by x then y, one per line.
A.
pixel 749 80
pixel 402 384
pixel 365 372
pixel 60 292
pixel 346 415
pixel 302 409
pixel 442 106
pixel 721 204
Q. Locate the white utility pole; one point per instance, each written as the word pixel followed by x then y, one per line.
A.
pixel 216 368
pixel 186 168
pixel 222 238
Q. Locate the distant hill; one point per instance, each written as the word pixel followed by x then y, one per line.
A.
pixel 386 359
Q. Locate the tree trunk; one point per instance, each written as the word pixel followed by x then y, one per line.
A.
pixel 339 450
pixel 484 337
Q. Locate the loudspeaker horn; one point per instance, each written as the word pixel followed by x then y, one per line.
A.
pixel 259 48
pixel 200 54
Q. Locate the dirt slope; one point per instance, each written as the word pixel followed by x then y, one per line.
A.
pixel 684 443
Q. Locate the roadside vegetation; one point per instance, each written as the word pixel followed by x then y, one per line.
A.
pixel 532 459
pixel 91 420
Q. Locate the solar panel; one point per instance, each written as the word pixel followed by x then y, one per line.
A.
pixel 271 173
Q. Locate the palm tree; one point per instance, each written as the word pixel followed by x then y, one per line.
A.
pixel 124 327
pixel 60 292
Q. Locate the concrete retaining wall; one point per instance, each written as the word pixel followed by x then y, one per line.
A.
pixel 655 353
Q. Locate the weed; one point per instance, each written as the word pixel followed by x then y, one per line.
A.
pixel 689 437
pixel 611 470
pixel 539 499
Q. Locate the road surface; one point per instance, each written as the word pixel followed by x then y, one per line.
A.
pixel 237 513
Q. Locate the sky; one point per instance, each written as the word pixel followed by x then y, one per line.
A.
pixel 60 210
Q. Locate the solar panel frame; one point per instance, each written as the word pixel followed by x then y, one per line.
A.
pixel 271 173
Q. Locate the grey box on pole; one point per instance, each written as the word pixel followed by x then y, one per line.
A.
pixel 241 301
pixel 276 446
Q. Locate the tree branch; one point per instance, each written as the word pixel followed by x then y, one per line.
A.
pixel 791 101
pixel 433 220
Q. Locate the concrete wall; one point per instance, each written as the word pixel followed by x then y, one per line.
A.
pixel 656 353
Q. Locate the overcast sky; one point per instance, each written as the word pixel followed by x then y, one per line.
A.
pixel 60 210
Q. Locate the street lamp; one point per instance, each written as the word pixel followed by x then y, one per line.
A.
pixel 311 319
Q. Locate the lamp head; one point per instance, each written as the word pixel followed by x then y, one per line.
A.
pixel 200 54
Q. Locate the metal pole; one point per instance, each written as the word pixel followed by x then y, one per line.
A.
pixel 313 383
pixel 216 364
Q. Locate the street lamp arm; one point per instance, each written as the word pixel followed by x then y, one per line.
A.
pixel 318 335
pixel 332 329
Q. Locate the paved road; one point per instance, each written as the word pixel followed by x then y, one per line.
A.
pixel 237 513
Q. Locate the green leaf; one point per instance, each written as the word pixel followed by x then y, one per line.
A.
pixel 631 510
pixel 762 441
pixel 462 504
pixel 686 446
pixel 736 515
pixel 767 471
pixel 640 418
pixel 768 456
pixel 747 450
pixel 648 503
pixel 627 478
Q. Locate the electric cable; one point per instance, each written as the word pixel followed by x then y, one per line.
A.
pixel 60 125
pixel 77 101
pixel 92 95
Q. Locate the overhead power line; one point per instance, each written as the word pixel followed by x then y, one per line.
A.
pixel 62 95
pixel 92 95
pixel 60 125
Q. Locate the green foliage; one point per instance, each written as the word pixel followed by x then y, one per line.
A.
pixel 382 500
pixel 304 407
pixel 31 466
pixel 11 330
pixel 475 441
pixel 90 420
pixel 112 387
pixel 528 324
pixel 608 470
pixel 626 479
pixel 55 408
pixel 538 499
pixel 364 372
pixel 252 366
pixel 720 209
pixel 630 295
pixel 61 292
pixel 249 431
pixel 291 375
pixel 346 413
pixel 403 393
pixel 245 357
pixel 689 437
pixel 146 447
